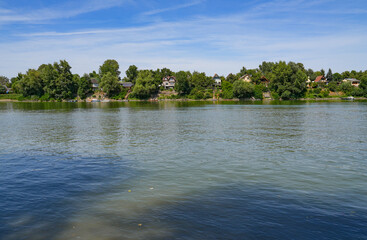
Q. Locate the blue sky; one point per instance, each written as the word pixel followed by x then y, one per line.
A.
pixel 205 35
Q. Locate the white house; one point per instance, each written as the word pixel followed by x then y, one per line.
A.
pixel 169 82
pixel 246 78
pixel 353 81
pixel 217 80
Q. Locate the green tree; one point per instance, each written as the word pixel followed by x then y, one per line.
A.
pixel 60 81
pixel 332 86
pixel 329 76
pixel 4 81
pixel 322 71
pixel 231 78
pixel 227 90
pixel 31 84
pixel 201 81
pixel 288 80
pixel 145 85
pixel 182 85
pixel 243 89
pixel 132 73
pixel 346 87
pixel 266 68
pixel 363 84
pixel 84 86
pixel 110 66
pixel 2 89
pixel 337 77
pixel 110 84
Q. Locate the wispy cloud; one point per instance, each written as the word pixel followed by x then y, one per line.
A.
pixel 66 10
pixel 173 8
pixel 221 44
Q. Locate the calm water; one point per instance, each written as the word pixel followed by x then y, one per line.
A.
pixel 183 171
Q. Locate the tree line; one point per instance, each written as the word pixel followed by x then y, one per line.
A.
pixel 284 80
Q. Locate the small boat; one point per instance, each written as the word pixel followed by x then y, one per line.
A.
pixel 95 100
pixel 350 98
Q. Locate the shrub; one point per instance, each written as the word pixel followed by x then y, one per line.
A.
pixel 243 89
pixel 34 98
pixel 45 97
pixel 258 91
pixel 275 95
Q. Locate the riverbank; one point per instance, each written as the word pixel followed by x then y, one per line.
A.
pixel 190 100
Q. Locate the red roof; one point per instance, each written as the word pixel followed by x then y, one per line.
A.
pixel 319 78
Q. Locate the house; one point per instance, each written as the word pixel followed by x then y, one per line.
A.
pixel 264 81
pixel 353 81
pixel 217 80
pixel 308 82
pixel 321 79
pixel 95 84
pixel 169 82
pixel 246 78
pixel 127 84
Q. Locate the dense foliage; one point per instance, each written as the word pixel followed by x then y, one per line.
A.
pixel 280 80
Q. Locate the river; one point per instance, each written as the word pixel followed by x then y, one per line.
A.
pixel 183 170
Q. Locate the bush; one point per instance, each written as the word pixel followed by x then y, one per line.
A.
pixel 227 90
pixel 121 95
pixel 34 98
pixel 196 94
pixel 317 91
pixel 324 93
pixel 2 89
pixel 45 97
pixel 286 95
pixel 243 89
pixel 333 86
pixel 357 92
pixel 21 98
pixel 275 95
pixel 258 91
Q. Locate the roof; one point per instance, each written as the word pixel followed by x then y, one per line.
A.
pixel 351 79
pixel 216 76
pixel 127 84
pixel 167 78
pixel 94 80
pixel 246 75
pixel 319 78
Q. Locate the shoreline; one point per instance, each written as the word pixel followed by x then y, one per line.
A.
pixel 187 100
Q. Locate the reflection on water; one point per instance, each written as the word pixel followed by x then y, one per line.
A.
pixel 183 170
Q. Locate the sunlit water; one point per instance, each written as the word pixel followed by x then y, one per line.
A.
pixel 183 170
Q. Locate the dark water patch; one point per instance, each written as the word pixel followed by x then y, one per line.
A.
pixel 250 212
pixel 40 193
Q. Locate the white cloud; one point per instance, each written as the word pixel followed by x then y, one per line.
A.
pixel 161 10
pixel 70 9
pixel 214 45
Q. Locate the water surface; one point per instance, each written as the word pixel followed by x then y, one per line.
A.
pixel 176 170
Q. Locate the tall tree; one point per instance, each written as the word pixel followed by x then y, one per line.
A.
pixel 145 85
pixel 288 80
pixel 231 78
pixel 110 84
pixel 243 89
pixel 329 75
pixel 200 80
pixel 322 72
pixel 4 81
pixel 109 66
pixel 31 84
pixel 132 73
pixel 182 85
pixel 84 86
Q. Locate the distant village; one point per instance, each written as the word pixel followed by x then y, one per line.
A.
pixel 279 80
